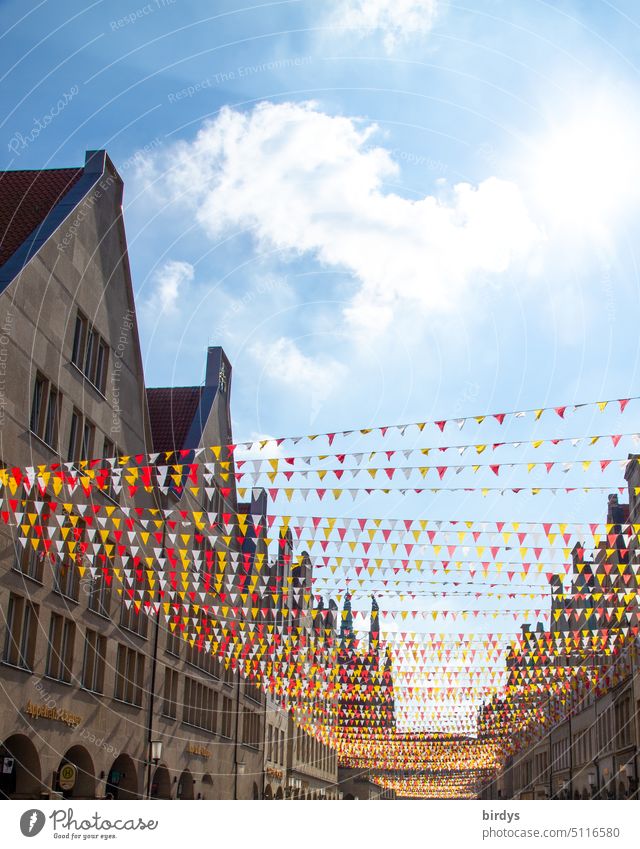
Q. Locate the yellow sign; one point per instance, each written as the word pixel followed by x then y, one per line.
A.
pixel 57 714
pixel 67 777
pixel 194 749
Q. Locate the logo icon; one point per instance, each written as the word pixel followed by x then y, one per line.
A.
pixel 32 822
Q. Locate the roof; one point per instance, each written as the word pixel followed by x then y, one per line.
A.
pixel 171 413
pixel 26 198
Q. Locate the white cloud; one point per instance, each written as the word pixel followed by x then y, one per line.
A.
pixel 168 282
pixel 396 20
pixel 318 378
pixel 306 182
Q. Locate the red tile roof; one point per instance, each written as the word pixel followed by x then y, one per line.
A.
pixel 26 198
pixel 172 412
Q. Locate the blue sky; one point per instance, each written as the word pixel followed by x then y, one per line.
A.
pixel 384 211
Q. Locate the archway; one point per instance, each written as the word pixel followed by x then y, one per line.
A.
pixel 122 780
pixel 161 783
pixel 256 791
pixel 268 792
pixel 84 785
pixel 185 785
pixel 207 786
pixel 20 777
pixel 349 796
pixel 279 793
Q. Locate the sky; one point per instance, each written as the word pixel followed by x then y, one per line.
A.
pixel 385 211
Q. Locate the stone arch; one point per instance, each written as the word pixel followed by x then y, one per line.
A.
pixel 279 793
pixel 24 778
pixel 122 779
pixel 161 783
pixel 256 791
pixel 85 783
pixel 268 792
pixel 185 785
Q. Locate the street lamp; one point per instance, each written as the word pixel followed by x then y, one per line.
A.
pixel 156 751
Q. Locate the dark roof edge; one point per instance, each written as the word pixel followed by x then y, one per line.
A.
pixel 94 168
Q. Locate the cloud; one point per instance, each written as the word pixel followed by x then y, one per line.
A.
pixel 318 378
pixel 168 282
pixel 309 183
pixel 396 20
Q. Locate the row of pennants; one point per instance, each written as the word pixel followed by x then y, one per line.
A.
pixel 562 411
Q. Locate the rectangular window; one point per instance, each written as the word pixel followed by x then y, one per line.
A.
pixel 37 404
pixel 173 642
pixel 52 418
pixel 86 449
pixel 79 336
pixel 170 702
pixel 99 595
pixel 95 654
pixel 132 619
pixel 226 718
pixel 199 707
pixel 45 411
pixel 62 633
pixel 102 356
pixel 67 579
pixel 88 354
pixel 76 424
pixel 22 630
pixel 129 675
pixel 81 437
pixel 30 561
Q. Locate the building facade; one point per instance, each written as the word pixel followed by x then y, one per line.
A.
pixel 103 697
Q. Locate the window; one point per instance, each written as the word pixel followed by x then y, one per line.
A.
pixel 95 653
pixel 37 405
pixel 170 703
pixel 200 706
pixel 67 578
pixel 76 418
pixel 30 561
pixel 62 633
pixel 251 729
pixel 81 437
pixel 79 335
pixel 22 629
pixel 129 675
pixel 86 448
pixel 45 411
pixel 99 591
pixel 102 355
pixel 90 352
pixel 132 619
pixel 52 418
pixel 173 642
pixel 227 714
